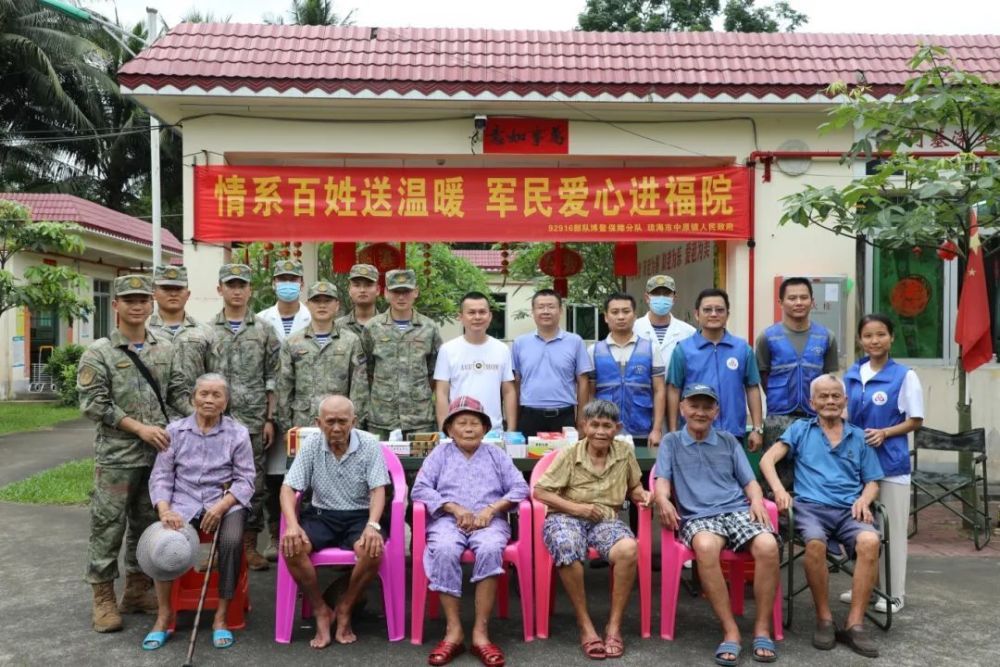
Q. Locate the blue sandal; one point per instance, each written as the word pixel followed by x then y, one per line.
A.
pixel 728 647
pixel 764 644
pixel 222 638
pixel 156 639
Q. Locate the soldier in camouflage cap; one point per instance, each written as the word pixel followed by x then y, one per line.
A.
pixel 363 290
pixel 130 430
pixel 323 359
pixel 194 340
pixel 246 354
pixel 403 354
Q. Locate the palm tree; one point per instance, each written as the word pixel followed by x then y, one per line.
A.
pixel 312 12
pixel 40 52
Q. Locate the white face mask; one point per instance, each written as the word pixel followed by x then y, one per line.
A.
pixel 661 305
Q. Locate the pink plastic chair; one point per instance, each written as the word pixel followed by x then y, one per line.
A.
pixel 392 570
pixel 673 553
pixel 516 554
pixel 545 591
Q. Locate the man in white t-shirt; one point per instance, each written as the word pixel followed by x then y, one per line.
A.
pixel 478 365
pixel 659 326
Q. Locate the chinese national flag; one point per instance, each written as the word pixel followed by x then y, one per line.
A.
pixel 972 329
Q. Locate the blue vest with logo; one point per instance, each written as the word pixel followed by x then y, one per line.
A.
pixel 722 367
pixel 790 374
pixel 631 391
pixel 876 405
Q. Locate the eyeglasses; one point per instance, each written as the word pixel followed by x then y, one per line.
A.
pixel 714 310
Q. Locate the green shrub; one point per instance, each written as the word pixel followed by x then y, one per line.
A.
pixel 62 368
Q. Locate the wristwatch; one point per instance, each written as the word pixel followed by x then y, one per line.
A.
pixel 375 525
pixel 758 430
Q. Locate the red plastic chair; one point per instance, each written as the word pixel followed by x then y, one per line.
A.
pixel 545 591
pixel 392 570
pixel 673 553
pixel 186 591
pixel 516 554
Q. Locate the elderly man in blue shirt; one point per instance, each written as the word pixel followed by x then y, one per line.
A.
pixel 550 370
pixel 719 505
pixel 348 477
pixel 836 481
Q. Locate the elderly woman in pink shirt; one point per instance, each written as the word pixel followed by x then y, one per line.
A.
pixel 188 485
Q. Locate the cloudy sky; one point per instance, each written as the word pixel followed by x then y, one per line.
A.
pixel 870 16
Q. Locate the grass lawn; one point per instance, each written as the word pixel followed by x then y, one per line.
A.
pixel 19 416
pixel 68 484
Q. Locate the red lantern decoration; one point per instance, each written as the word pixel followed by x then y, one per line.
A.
pixel 947 250
pixel 345 255
pixel 626 259
pixel 561 263
pixel 909 297
pixel 384 257
pixel 504 259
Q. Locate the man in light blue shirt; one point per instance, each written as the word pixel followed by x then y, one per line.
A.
pixel 550 370
pixel 836 481
pixel 719 505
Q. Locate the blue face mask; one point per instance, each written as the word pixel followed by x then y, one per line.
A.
pixel 661 305
pixel 288 291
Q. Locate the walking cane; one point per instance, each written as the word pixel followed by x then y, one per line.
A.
pixel 204 589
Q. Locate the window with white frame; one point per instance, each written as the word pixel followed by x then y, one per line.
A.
pixel 101 316
pixel 586 321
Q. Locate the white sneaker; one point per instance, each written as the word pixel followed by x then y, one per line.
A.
pixel 880 605
pixel 846 597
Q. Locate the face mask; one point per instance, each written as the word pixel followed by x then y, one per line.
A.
pixel 288 291
pixel 661 305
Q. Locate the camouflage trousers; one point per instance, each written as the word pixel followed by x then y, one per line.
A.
pixel 255 522
pixel 119 508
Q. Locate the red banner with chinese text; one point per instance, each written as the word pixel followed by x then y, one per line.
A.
pixel 539 136
pixel 478 204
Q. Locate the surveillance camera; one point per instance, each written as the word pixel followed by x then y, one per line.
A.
pixel 480 121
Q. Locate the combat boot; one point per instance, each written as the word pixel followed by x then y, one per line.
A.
pixel 271 552
pixel 139 596
pixel 105 616
pixel 254 560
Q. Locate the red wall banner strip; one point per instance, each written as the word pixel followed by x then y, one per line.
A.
pixel 478 204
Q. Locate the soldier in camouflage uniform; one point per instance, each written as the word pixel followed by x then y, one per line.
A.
pixel 363 291
pixel 194 340
pixel 404 350
pixel 247 356
pixel 325 358
pixel 130 431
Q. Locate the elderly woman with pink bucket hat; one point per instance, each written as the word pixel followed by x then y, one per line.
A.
pixel 204 480
pixel 468 488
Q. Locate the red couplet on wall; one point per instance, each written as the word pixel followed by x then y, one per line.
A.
pixel 534 136
pixel 243 203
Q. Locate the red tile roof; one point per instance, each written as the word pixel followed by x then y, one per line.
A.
pixel 487 260
pixel 69 208
pixel 473 61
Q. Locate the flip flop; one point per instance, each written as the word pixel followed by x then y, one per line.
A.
pixel 444 653
pixel 156 639
pixel 489 654
pixel 222 638
pixel 614 647
pixel 764 644
pixel 728 647
pixel 594 649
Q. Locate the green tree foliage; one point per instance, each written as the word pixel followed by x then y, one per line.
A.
pixel 61 367
pixel 687 15
pixel 42 286
pixel 313 12
pixel 908 201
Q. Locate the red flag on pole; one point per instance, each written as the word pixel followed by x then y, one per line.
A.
pixel 972 328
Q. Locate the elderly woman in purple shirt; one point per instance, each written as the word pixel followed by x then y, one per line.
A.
pixel 207 451
pixel 468 488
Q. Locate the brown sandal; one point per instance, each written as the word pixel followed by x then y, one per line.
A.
pixel 594 649
pixel 614 647
pixel 444 653
pixel 489 654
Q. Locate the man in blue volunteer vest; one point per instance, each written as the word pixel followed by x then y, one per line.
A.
pixel 628 371
pixel 790 355
pixel 725 362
